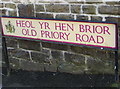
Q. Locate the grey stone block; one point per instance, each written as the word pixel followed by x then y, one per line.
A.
pixel 30 45
pixel 10 5
pixel 19 54
pixel 44 15
pixel 74 58
pixel 26 10
pixel 65 16
pixel 71 68
pixel 31 66
pixel 39 8
pixel 60 8
pixel 89 9
pixel 81 17
pixel 40 57
pixel 76 9
pixel 113 10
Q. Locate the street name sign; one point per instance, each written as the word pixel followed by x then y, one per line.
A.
pixel 86 33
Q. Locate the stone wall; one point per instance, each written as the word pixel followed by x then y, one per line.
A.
pixel 44 56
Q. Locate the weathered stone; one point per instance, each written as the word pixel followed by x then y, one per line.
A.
pixel 76 9
pixel 44 15
pixel 57 55
pixel 111 55
pixel 50 67
pixel 17 1
pixel 12 13
pixel 11 42
pixel 96 53
pixel 100 66
pixel 81 17
pixel 26 10
pixel 61 8
pixel 114 20
pixel 45 51
pixel 94 1
pixel 50 1
pixel 102 54
pixel 5 0
pixel 19 54
pixel 30 45
pixel 83 50
pixel 10 5
pixel 1 5
pixel 89 9
pixel 71 68
pixel 65 16
pixel 3 12
pixel 40 57
pixel 39 7
pixel 75 1
pixel 113 10
pixel 31 66
pixel 74 58
pixel 113 2
pixel 96 18
pixel 15 63
pixel 55 46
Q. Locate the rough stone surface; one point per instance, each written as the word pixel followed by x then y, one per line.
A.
pixel 81 17
pixel 26 10
pixel 100 54
pixel 113 10
pixel 76 9
pixel 15 64
pixel 19 54
pixel 89 9
pixel 65 16
pixel 40 57
pixel 31 66
pixel 12 13
pixel 1 5
pixel 75 1
pixel 10 5
pixel 44 15
pixel 114 20
pixel 30 45
pixel 71 68
pixel 74 58
pixel 57 8
pixel 99 66
pixel 5 0
pixel 83 50
pixel 50 67
pixel 96 18
pixel 39 7
pixel 94 1
pixel 11 43
pixel 3 12
pixel 113 2
pixel 55 46
pixel 58 55
pixel 16 1
pixel 46 51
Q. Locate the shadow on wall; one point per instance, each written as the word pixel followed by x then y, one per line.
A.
pixel 22 78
